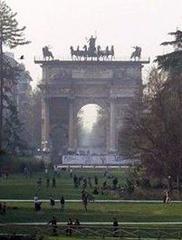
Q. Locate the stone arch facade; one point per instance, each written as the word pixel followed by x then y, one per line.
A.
pixel 68 85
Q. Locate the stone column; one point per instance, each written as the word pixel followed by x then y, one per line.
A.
pixel 112 128
pixel 45 125
pixel 71 136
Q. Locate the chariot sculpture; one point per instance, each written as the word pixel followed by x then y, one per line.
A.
pixel 91 51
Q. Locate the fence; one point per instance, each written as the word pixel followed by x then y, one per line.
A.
pixel 100 232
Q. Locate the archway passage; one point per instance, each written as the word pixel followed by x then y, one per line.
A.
pixel 91 129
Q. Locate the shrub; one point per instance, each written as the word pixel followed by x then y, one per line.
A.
pixel 18 164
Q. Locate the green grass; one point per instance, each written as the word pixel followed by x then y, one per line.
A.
pixel 19 187
pixel 124 212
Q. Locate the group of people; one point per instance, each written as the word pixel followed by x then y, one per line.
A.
pixel 38 203
pixel 62 202
pixel 82 181
pixel 73 225
pixel 70 225
pixel 39 182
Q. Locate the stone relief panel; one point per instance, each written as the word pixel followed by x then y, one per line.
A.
pixel 122 92
pixel 54 90
pixel 56 74
pixel 127 73
pixel 91 91
pixel 92 72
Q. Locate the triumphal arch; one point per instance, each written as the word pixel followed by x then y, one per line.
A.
pixel 87 78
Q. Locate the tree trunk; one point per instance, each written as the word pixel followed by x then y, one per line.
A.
pixel 177 183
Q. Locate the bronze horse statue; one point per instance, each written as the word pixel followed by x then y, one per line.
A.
pixel 88 53
pixel 137 53
pixel 105 53
pixel 47 54
pixel 79 53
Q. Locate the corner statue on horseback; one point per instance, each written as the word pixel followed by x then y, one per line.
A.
pixel 136 54
pixel 47 54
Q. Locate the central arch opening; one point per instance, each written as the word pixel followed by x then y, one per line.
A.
pixel 92 129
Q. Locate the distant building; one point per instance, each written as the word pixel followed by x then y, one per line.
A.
pixel 21 92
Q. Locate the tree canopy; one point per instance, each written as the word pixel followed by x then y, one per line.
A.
pixel 172 62
pixel 152 128
pixel 11 34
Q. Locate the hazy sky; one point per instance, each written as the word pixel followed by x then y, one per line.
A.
pixel 122 23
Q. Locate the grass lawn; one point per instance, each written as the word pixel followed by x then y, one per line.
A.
pixel 99 212
pixel 20 187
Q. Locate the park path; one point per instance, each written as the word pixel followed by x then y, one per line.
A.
pixel 95 201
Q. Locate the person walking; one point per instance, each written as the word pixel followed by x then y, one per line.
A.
pixel 96 180
pixel 54 182
pixel 168 199
pixel 115 227
pixel 47 182
pixel 62 202
pixel 85 202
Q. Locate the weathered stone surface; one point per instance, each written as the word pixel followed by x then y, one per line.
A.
pixel 69 85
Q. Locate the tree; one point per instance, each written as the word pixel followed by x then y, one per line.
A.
pixel 153 127
pixel 172 62
pixel 12 36
pixel 36 118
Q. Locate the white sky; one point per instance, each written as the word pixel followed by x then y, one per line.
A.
pixel 122 23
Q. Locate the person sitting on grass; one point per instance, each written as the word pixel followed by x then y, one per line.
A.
pixel 53 223
pixel 76 222
pixel 70 227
